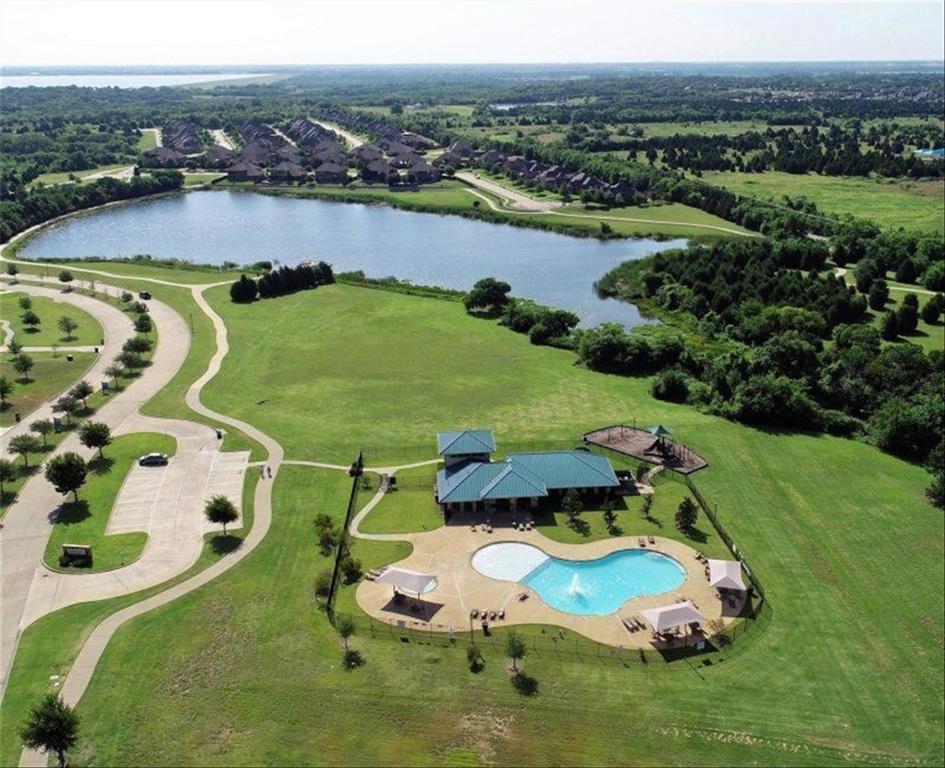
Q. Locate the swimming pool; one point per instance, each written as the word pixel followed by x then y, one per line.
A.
pixel 583 587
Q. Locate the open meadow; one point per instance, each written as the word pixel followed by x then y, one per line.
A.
pixel 848 671
pixel 916 206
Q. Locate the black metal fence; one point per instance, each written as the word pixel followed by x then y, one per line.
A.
pixel 553 642
pixel 344 546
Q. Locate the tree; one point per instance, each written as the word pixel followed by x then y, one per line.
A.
pixel 23 364
pixel 12 270
pixel 890 325
pixel 67 325
pixel 610 517
pixel 126 297
pixel 244 290
pixel 14 347
pixel 67 473
pixel 130 360
pixel 51 726
pixel 42 427
pixel 25 303
pixel 879 295
pixel 351 569
pixel 323 582
pixel 68 405
pixel 65 276
pixel 31 319
pixel 907 317
pixel 95 434
pixel 220 509
pixel 82 391
pixel 515 649
pixel 143 324
pixel 345 626
pixel 487 293
pixel 571 505
pixel 686 515
pixel 24 445
pixel 931 312
pixel 647 506
pixel 114 371
pixel 6 389
pixel 8 473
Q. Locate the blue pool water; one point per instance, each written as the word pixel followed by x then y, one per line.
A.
pixel 582 587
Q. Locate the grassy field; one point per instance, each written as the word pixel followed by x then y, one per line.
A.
pixel 914 206
pixel 50 376
pixel 196 179
pixel 849 672
pixel 84 522
pixel 63 177
pixel 48 647
pixel 148 140
pixel 47 334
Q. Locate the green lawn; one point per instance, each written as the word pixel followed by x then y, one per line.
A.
pixel 49 311
pixel 195 179
pixel 849 671
pixel 915 206
pixel 80 176
pixel 148 140
pixel 84 522
pixel 50 376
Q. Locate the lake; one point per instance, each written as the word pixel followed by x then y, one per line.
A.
pixel 211 227
pixel 115 81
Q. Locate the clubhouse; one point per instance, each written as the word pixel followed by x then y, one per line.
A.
pixel 471 480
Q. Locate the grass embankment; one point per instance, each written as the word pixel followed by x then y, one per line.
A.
pixel 49 647
pixel 50 376
pixel 450 196
pixel 46 334
pixel 84 521
pixel 917 206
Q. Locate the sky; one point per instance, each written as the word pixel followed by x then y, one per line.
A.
pixel 212 32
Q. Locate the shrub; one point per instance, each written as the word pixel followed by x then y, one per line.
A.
pixel 323 583
pixel 671 385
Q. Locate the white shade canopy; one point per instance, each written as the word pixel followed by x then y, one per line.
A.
pixel 675 615
pixel 411 582
pixel 726 574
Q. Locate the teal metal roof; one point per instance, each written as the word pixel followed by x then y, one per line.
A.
pixel 524 475
pixel 465 442
pixel 659 430
pixel 568 469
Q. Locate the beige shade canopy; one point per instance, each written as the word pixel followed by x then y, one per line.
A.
pixel 675 615
pixel 411 582
pixel 726 574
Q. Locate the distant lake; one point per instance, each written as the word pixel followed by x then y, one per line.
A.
pixel 426 249
pixel 115 81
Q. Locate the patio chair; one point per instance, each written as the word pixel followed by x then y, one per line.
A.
pixel 651 539
pixel 474 613
pixel 502 614
pixel 641 541
pixel 492 615
pixel 472 528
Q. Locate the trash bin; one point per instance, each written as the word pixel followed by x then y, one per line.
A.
pixel 219 434
pixel 69 358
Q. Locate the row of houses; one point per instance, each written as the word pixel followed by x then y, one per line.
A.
pixel 182 136
pixel 555 178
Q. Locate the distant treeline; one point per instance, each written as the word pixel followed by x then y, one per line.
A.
pixel 282 281
pixel 41 204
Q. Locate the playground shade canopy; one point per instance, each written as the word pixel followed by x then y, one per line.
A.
pixel 675 615
pixel 659 430
pixel 409 582
pixel 726 574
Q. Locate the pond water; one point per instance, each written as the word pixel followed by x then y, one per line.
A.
pixel 426 249
pixel 115 80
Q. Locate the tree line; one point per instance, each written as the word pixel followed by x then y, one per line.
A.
pixel 281 281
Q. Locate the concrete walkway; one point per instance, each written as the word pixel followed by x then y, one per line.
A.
pixel 353 141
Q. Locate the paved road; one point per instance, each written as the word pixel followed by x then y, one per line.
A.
pixel 220 138
pixel 519 201
pixel 353 141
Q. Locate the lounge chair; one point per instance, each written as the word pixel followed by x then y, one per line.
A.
pixel 474 613
pixel 641 541
pixel 472 528
pixel 627 625
pixel 491 615
pixel 523 596
pixel 651 539
pixel 502 614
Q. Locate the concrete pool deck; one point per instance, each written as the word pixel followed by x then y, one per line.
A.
pixel 447 553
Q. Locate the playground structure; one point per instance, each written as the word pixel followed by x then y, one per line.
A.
pixel 652 445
